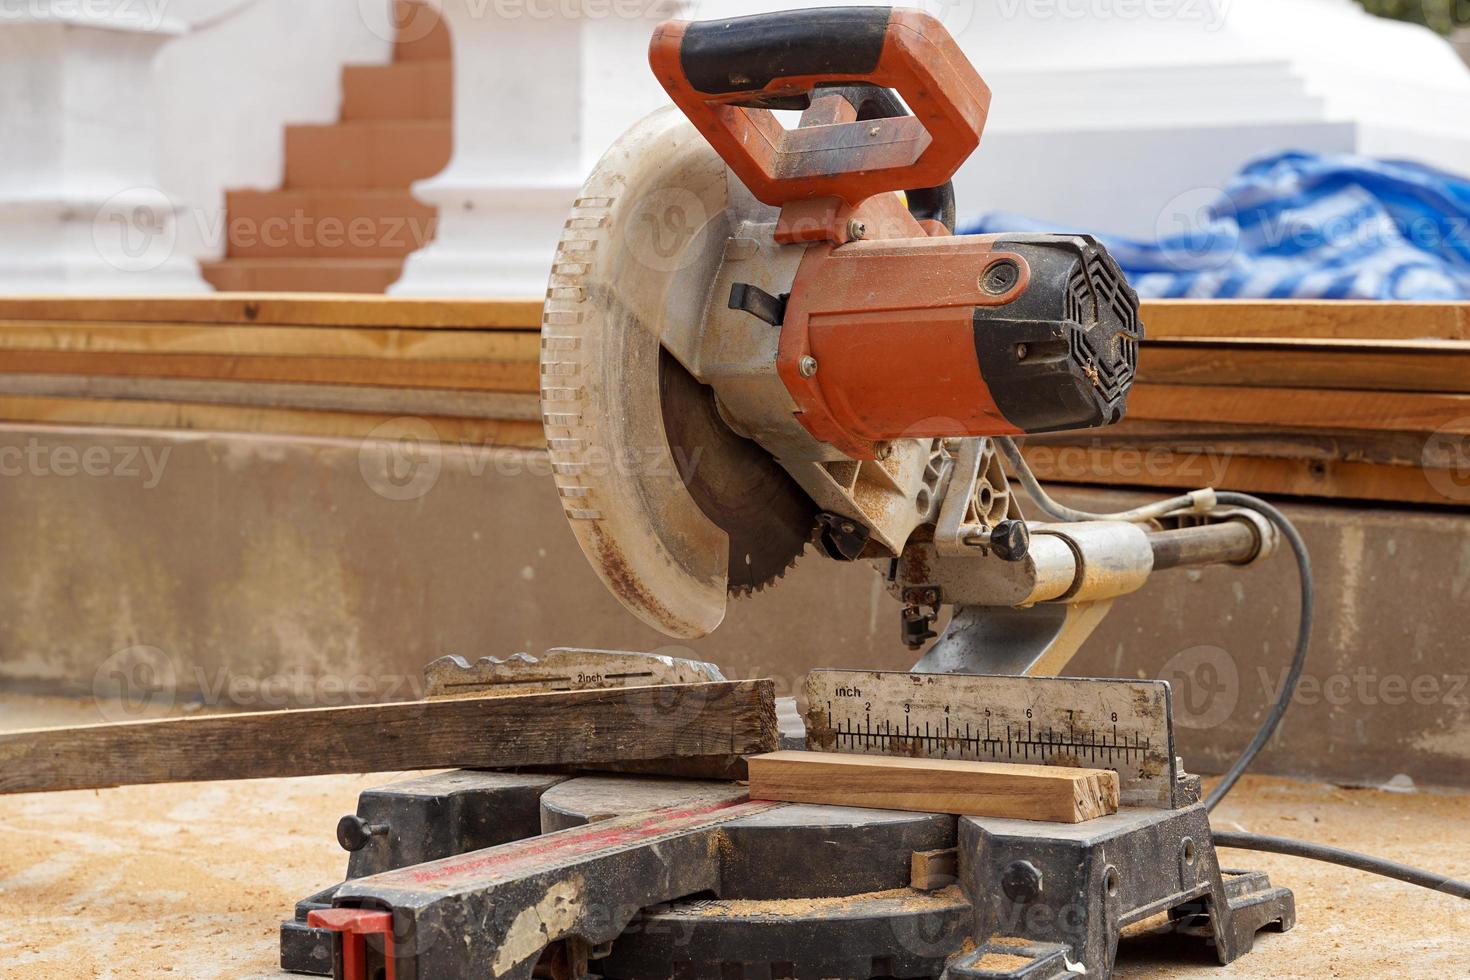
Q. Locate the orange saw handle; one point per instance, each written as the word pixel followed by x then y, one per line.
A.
pixel 727 76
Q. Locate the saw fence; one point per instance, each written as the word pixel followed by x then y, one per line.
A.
pixel 1357 401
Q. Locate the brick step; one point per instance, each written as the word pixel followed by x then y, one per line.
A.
pixel 327 224
pixel 403 90
pixel 365 155
pixel 303 275
pixel 422 35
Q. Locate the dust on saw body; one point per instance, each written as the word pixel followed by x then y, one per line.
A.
pixel 808 360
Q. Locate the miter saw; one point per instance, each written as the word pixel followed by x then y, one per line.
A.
pixel 759 339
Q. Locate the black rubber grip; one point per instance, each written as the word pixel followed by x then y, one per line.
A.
pixel 745 54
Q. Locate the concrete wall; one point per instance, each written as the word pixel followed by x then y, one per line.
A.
pixel 188 567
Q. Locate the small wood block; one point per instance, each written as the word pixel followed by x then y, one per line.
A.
pixel 984 789
pixel 930 871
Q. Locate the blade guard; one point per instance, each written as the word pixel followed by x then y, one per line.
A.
pixel 727 76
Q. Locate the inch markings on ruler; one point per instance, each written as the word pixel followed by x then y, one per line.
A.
pixel 1102 724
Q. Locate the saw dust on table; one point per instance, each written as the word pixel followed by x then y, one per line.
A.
pixel 192 880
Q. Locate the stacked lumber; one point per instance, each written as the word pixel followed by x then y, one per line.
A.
pixel 1361 401
pixel 283 364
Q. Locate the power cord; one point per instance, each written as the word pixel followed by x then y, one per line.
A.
pixel 1272 721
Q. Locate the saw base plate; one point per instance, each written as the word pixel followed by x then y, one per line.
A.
pixel 817 892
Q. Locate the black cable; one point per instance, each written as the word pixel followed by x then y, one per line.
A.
pixel 1278 709
pixel 1303 641
pixel 1348 859
pixel 1255 842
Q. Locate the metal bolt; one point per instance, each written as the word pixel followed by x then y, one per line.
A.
pixel 1021 882
pixel 856 230
pixel 1001 277
pixel 873 131
pixel 1021 351
pixel 807 366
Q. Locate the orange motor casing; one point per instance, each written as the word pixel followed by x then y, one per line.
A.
pixel 893 327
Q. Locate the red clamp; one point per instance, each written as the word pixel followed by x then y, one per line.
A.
pixel 353 927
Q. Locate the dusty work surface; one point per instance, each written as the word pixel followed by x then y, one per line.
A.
pixel 192 880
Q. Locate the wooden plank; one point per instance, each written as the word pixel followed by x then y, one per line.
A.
pixel 511 376
pixel 685 723
pixel 1301 408
pixel 1338 480
pixel 260 421
pixel 1216 439
pixel 1327 319
pixel 1411 368
pixel 930 871
pixel 990 789
pixel 269 341
pixel 338 398
pixel 290 309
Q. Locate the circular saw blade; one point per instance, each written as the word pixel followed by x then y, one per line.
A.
pixel 637 256
pixel 736 484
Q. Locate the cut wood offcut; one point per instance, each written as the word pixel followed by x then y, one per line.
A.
pixel 984 789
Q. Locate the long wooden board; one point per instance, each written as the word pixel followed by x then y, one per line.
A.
pixel 288 309
pixel 1322 319
pixel 1439 367
pixel 688 725
pixel 269 341
pixel 1335 479
pixel 519 376
pixel 985 789
pixel 1302 408
pixel 473 432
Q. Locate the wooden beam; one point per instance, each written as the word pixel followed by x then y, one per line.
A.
pixel 1301 408
pixel 1410 367
pixel 1053 793
pixel 1217 439
pixel 687 725
pixel 1101 465
pixel 290 309
pixel 1325 319
pixel 269 341
pixel 139 414
pixel 511 376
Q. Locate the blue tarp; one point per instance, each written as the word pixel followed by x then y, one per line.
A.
pixel 1302 225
